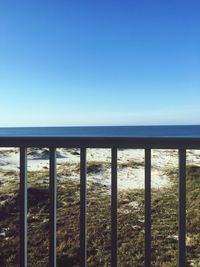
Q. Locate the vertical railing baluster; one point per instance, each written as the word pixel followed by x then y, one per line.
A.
pixel 52 211
pixel 23 207
pixel 114 208
pixel 83 224
pixel 182 207
pixel 147 207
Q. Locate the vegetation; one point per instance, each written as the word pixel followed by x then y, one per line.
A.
pixel 130 221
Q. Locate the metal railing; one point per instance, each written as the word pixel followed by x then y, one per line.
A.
pixel 113 143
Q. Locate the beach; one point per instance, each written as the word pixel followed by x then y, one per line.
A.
pixel 130 185
pixel 130 164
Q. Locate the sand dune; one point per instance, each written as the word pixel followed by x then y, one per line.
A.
pixel 130 164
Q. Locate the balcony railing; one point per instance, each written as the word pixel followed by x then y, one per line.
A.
pixel 114 143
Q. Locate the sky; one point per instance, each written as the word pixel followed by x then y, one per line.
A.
pixel 99 62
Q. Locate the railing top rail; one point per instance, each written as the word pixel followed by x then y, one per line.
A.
pixel 102 142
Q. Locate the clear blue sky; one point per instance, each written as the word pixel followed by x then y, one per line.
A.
pixel 99 62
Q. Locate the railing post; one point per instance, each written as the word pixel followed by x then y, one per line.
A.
pixel 83 223
pixel 182 207
pixel 147 207
pixel 52 212
pixel 23 207
pixel 114 208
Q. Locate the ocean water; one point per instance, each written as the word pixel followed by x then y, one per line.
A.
pixel 103 131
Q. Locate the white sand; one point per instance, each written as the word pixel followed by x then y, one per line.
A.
pixel 128 177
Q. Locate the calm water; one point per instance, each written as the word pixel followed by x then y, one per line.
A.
pixel 105 131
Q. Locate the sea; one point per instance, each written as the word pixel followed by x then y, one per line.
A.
pixel 104 131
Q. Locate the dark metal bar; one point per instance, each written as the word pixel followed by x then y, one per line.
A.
pixel 23 207
pixel 182 207
pixel 103 142
pixel 147 207
pixel 83 223
pixel 114 208
pixel 52 211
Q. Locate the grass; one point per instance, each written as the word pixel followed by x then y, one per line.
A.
pixel 131 164
pixel 130 221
